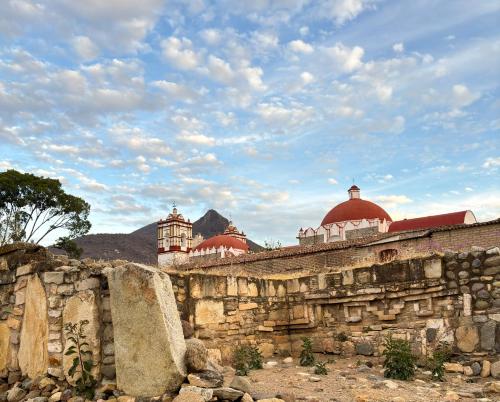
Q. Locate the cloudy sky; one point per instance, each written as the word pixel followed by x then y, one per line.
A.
pixel 264 110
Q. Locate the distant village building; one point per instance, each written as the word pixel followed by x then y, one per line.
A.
pixel 176 244
pixel 175 237
pixel 357 218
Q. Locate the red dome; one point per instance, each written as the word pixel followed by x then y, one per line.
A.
pixel 353 210
pixel 222 240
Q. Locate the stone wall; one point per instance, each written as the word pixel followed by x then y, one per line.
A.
pixel 40 293
pixel 452 296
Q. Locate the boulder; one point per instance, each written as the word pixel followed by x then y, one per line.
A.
pixel 467 338
pixel 241 384
pixel 453 367
pixel 196 355
pixel 148 338
pixel 15 394
pixel 33 354
pixel 476 368
pixel 83 306
pixel 492 387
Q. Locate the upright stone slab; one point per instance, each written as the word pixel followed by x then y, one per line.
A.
pixel 149 343
pixel 33 354
pixel 83 306
pixel 4 347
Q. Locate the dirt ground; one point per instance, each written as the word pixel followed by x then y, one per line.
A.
pixel 350 381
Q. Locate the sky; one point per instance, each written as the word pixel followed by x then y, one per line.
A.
pixel 267 111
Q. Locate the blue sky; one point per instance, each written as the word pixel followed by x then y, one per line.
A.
pixel 264 110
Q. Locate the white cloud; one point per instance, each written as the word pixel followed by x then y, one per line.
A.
pixel 135 139
pixel 348 59
pixel 211 36
pixel 398 47
pixel 342 11
pixel 225 119
pixel 304 30
pixel 178 91
pixel 332 181
pixel 307 77
pixel 85 48
pixel 299 46
pixel 393 200
pixel 491 163
pixel 462 96
pixel 179 53
pixel 198 139
pixel 348 111
pixel 277 114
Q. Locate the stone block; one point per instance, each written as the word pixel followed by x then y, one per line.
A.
pixel 143 304
pixel 209 312
pixel 467 338
pixel 53 277
pixel 83 306
pixel 488 335
pixel 433 269
pixel 247 306
pixel 232 286
pixel 86 284
pixel 4 347
pixel 33 356
pixel 24 270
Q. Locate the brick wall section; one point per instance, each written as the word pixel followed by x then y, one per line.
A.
pixel 322 257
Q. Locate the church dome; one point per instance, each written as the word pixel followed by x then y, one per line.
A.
pixel 222 240
pixel 355 209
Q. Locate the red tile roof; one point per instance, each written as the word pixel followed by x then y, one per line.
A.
pixel 353 210
pixel 426 222
pixel 222 240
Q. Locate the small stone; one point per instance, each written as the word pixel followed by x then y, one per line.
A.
pixel 486 369
pixel 453 368
pixel 189 397
pixel 55 397
pixel 468 371
pixel 364 348
pixel 492 387
pixel 227 393
pixel 476 263
pixel 287 360
pixel 463 274
pixel 271 364
pixel 398 399
pixel 467 338
pixel 126 398
pixel 483 294
pixel 205 393
pixel 187 329
pixel 476 368
pixel 206 379
pixel 390 384
pixel 481 305
pixel 493 251
pixel 15 394
pixel 241 384
pixel 246 398
pixel 314 379
pixel 495 369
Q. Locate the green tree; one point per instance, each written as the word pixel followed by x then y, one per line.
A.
pixel 31 207
pixel 70 246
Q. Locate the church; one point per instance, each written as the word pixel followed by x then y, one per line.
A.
pixel 350 220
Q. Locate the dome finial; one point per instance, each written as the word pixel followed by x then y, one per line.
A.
pixel 354 192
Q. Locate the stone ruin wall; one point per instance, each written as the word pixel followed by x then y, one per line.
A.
pixel 345 310
pixel 453 297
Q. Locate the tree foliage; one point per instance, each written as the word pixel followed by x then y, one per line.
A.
pixel 399 360
pixel 70 246
pixel 31 207
pixel 306 354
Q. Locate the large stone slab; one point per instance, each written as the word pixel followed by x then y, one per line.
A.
pixel 467 338
pixel 149 343
pixel 33 354
pixel 83 306
pixel 4 347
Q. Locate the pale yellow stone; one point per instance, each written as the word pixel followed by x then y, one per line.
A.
pixel 209 312
pixel 4 346
pixel 247 306
pixel 33 354
pixel 252 290
pixel 83 306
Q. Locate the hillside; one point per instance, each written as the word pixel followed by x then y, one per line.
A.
pixel 140 245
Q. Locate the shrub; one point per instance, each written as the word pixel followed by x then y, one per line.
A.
pixel 320 368
pixel 306 355
pixel 246 358
pixel 440 355
pixel 399 360
pixel 82 364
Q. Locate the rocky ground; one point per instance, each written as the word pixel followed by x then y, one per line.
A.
pixel 348 380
